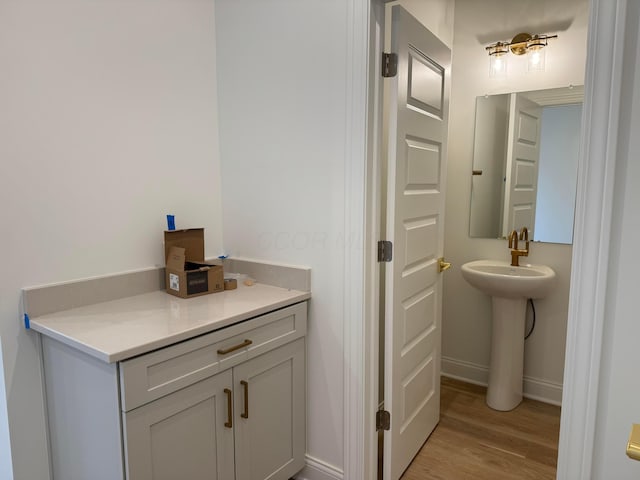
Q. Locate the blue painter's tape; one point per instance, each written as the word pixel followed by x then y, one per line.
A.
pixel 27 323
pixel 171 222
pixel 222 257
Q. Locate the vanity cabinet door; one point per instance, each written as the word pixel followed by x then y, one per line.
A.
pixel 269 404
pixel 183 435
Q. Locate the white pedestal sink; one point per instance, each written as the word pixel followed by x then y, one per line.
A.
pixel 509 287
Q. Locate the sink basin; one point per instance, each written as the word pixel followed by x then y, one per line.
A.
pixel 499 279
pixel 509 287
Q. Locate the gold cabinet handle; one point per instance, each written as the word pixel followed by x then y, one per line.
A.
pixel 442 265
pixel 224 351
pixel 245 414
pixel 229 422
pixel 476 172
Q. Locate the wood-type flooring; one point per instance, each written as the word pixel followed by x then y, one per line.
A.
pixel 475 442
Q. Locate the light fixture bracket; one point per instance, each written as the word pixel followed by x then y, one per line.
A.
pixel 519 43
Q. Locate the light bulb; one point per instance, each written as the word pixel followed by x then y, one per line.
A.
pixel 535 58
pixel 497 66
pixel 536 55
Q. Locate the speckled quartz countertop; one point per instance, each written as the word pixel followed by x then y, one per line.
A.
pixel 120 329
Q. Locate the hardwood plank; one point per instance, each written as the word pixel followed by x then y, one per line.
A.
pixel 473 441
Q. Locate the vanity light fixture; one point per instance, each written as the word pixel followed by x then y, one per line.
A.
pixel 521 44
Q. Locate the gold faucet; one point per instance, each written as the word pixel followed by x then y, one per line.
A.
pixel 516 253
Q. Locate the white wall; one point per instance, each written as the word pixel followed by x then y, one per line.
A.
pixel 557 172
pixel 108 122
pixel 466 324
pixel 283 112
pixel 435 15
pixel 619 390
pixel 282 87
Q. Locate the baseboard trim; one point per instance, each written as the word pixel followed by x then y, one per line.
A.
pixel 533 388
pixel 465 371
pixel 543 390
pixel 316 469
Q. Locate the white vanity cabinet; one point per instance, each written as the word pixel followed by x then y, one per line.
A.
pixel 269 423
pixel 182 435
pixel 225 405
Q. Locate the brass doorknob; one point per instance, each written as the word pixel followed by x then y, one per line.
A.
pixel 442 265
pixel 633 446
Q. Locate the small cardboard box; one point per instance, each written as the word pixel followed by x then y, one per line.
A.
pixel 187 274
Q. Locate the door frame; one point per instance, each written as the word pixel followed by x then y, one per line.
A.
pixel 603 78
pixel 591 246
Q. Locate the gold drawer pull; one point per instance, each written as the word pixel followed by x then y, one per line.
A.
pixel 245 384
pixel 224 351
pixel 229 422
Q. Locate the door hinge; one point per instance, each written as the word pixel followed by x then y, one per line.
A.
pixel 383 420
pixel 389 64
pixel 385 251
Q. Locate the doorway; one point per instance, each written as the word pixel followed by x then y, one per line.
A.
pixel 492 249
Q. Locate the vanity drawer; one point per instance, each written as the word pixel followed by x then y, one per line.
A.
pixel 153 375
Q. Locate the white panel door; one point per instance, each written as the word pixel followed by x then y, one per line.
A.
pixel 187 434
pixel 270 414
pixel 523 155
pixel 417 114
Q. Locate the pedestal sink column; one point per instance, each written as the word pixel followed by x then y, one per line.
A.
pixel 507 353
pixel 510 287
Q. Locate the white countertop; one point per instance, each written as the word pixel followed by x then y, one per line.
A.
pixel 120 329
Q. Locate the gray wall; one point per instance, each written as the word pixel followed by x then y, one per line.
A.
pixel 557 172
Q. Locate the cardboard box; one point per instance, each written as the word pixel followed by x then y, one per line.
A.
pixel 187 274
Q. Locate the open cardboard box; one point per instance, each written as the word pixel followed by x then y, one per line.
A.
pixel 187 274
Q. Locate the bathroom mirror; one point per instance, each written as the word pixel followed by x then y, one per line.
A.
pixel 525 162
